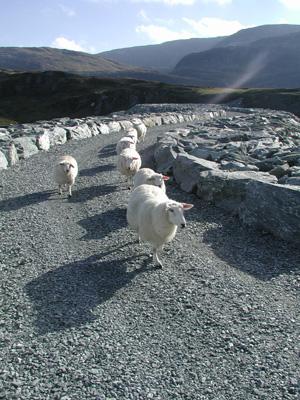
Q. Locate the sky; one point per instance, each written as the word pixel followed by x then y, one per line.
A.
pixel 94 26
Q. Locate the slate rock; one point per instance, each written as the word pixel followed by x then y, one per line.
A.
pixel 228 189
pixel 25 146
pixel 3 161
pixel 186 169
pixel 274 208
pixel 79 132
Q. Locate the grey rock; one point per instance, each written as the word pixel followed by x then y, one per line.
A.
pixel 25 146
pixel 79 132
pixel 280 170
pixel 237 166
pixel 43 141
pixel 228 189
pixel 164 156
pixel 3 161
pixel 114 127
pixel 274 208
pixel 103 129
pixel 186 169
pixel 57 135
pixel 293 180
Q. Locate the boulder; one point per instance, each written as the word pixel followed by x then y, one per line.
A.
pixel 3 161
pixel 228 189
pixel 57 135
pixel 164 156
pixel 114 127
pixel 79 132
pixel 25 146
pixel 103 129
pixel 274 208
pixel 43 141
pixel 186 169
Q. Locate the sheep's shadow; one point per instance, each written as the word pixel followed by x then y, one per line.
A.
pixel 15 203
pixel 97 170
pixel 67 296
pixel 100 225
pixel 91 192
pixel 107 151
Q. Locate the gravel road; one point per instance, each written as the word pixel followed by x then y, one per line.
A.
pixel 86 315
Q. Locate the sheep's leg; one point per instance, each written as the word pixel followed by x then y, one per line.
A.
pixel 70 191
pixel 156 260
pixel 60 189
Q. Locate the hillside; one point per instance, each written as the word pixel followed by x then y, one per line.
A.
pixel 46 59
pixel 162 56
pixel 27 97
pixel 263 63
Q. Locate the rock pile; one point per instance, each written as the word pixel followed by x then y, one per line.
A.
pixel 246 161
pixel 23 140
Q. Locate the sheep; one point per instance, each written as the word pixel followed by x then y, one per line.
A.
pixel 149 177
pixel 140 127
pixel 129 162
pixel 65 172
pixel 125 143
pixel 132 133
pixel 155 217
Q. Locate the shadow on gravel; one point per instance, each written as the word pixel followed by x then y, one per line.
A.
pixel 147 157
pixel 15 203
pixel 107 151
pixel 90 192
pixel 97 170
pixel 67 296
pixel 100 225
pixel 263 256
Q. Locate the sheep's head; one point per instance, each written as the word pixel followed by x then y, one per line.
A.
pixel 157 180
pixel 131 163
pixel 67 167
pixel 175 212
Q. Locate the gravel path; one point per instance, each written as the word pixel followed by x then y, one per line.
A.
pixel 85 315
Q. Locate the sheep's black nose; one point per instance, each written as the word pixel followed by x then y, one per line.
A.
pixel 182 225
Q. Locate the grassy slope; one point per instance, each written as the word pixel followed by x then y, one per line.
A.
pixel 32 96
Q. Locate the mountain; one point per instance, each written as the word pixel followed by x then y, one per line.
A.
pixel 162 57
pixel 268 62
pixel 46 58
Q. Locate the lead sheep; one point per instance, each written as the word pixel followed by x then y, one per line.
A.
pixel 65 172
pixel 155 217
pixel 129 162
pixel 149 177
pixel 132 133
pixel 125 143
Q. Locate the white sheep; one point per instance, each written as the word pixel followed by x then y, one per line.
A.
pixel 149 177
pixel 125 143
pixel 129 162
pixel 132 133
pixel 140 127
pixel 65 172
pixel 155 217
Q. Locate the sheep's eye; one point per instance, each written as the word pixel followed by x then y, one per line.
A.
pixel 171 210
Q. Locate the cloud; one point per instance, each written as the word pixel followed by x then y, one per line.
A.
pixel 168 2
pixel 218 2
pixel 158 34
pixel 64 43
pixel 143 15
pixel 67 11
pixel 212 27
pixel 291 4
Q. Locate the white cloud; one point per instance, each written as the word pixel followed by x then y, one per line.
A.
pixel 291 4
pixel 64 43
pixel 168 2
pixel 205 27
pixel 143 15
pixel 212 27
pixel 218 2
pixel 159 34
pixel 67 11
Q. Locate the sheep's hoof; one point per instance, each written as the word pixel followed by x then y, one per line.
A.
pixel 158 266
pixel 69 196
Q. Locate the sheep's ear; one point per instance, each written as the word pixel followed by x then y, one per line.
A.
pixel 62 163
pixel 135 158
pixel 187 206
pixel 165 177
pixel 71 165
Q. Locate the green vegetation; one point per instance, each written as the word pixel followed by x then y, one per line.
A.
pixel 28 97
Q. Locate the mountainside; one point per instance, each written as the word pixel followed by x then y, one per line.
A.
pixel 264 63
pixel 46 59
pixel 160 56
pixel 27 97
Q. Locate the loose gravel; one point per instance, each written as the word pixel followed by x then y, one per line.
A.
pixel 86 315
